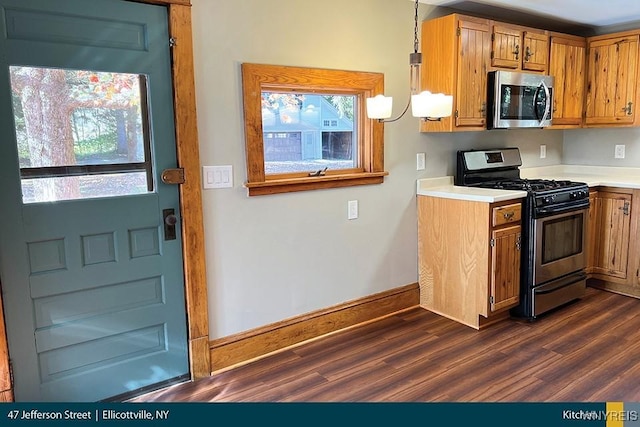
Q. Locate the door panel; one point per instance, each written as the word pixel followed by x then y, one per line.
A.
pixel 93 293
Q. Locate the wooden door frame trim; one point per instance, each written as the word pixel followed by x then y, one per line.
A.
pixel 188 158
pixel 184 94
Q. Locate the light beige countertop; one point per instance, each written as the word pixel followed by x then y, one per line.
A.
pixel 594 176
pixel 443 187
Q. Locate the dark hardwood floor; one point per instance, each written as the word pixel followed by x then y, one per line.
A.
pixel 588 351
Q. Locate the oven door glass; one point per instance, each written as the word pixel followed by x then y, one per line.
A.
pixel 559 245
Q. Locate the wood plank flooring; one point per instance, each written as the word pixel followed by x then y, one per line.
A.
pixel 588 351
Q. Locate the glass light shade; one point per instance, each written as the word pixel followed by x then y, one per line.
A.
pixel 427 104
pixel 379 107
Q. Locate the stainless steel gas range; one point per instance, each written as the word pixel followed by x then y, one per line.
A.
pixel 554 228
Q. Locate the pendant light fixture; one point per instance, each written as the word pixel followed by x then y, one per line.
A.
pixel 426 105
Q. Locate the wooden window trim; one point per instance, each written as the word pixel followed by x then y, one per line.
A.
pixel 259 77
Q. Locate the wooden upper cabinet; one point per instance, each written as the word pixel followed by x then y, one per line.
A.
pixel 506 49
pixel 473 60
pixel 519 48
pixel 456 62
pixel 567 65
pixel 535 56
pixel 611 91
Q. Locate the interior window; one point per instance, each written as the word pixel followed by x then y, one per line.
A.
pixel 306 129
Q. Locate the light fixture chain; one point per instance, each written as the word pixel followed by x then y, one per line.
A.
pixel 415 30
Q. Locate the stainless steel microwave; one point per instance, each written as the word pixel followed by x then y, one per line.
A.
pixel 519 100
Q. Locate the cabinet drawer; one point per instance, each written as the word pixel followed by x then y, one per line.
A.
pixel 507 214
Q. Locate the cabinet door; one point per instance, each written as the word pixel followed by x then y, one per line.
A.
pixel 535 55
pixel 613 212
pixel 507 47
pixel 474 45
pixel 592 237
pixel 505 268
pixel 611 81
pixel 567 66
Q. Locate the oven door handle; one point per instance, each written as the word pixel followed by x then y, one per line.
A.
pixel 552 287
pixel 542 212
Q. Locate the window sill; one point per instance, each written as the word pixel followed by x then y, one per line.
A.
pixel 290 185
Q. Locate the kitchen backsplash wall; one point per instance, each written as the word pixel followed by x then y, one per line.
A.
pixel 597 147
pixel 441 148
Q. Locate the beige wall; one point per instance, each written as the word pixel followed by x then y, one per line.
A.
pixel 596 147
pixel 274 257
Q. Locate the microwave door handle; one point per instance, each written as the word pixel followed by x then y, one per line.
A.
pixel 547 105
pixel 547 102
pixel 535 103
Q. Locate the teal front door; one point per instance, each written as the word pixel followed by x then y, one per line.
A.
pixel 91 261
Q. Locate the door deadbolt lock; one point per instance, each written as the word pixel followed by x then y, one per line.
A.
pixel 170 221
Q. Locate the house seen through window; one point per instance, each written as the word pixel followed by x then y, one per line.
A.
pixel 308 132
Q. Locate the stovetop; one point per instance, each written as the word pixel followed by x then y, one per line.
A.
pixel 499 169
pixel 532 185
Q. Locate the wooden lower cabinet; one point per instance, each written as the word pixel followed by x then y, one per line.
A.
pixel 614 250
pixel 469 258
pixel 592 232
pixel 505 268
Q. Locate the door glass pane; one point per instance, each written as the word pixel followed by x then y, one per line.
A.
pixel 68 118
pixel 308 132
pixel 83 187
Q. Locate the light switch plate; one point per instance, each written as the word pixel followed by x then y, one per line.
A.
pixel 217 176
pixel 543 151
pixel 619 152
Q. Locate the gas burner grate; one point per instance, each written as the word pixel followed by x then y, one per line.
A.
pixel 531 184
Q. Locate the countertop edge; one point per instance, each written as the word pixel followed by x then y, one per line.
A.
pixel 443 187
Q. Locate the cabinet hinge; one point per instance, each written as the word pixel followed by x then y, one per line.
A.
pixel 458 32
pixel 493 37
pixel 492 54
pixel 492 243
pixel 491 299
pixel 625 208
pixel 456 114
pixel 172 41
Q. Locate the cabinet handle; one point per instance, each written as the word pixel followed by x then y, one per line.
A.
pixel 483 108
pixel 528 54
pixel 628 108
pixel 517 51
pixel 508 215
